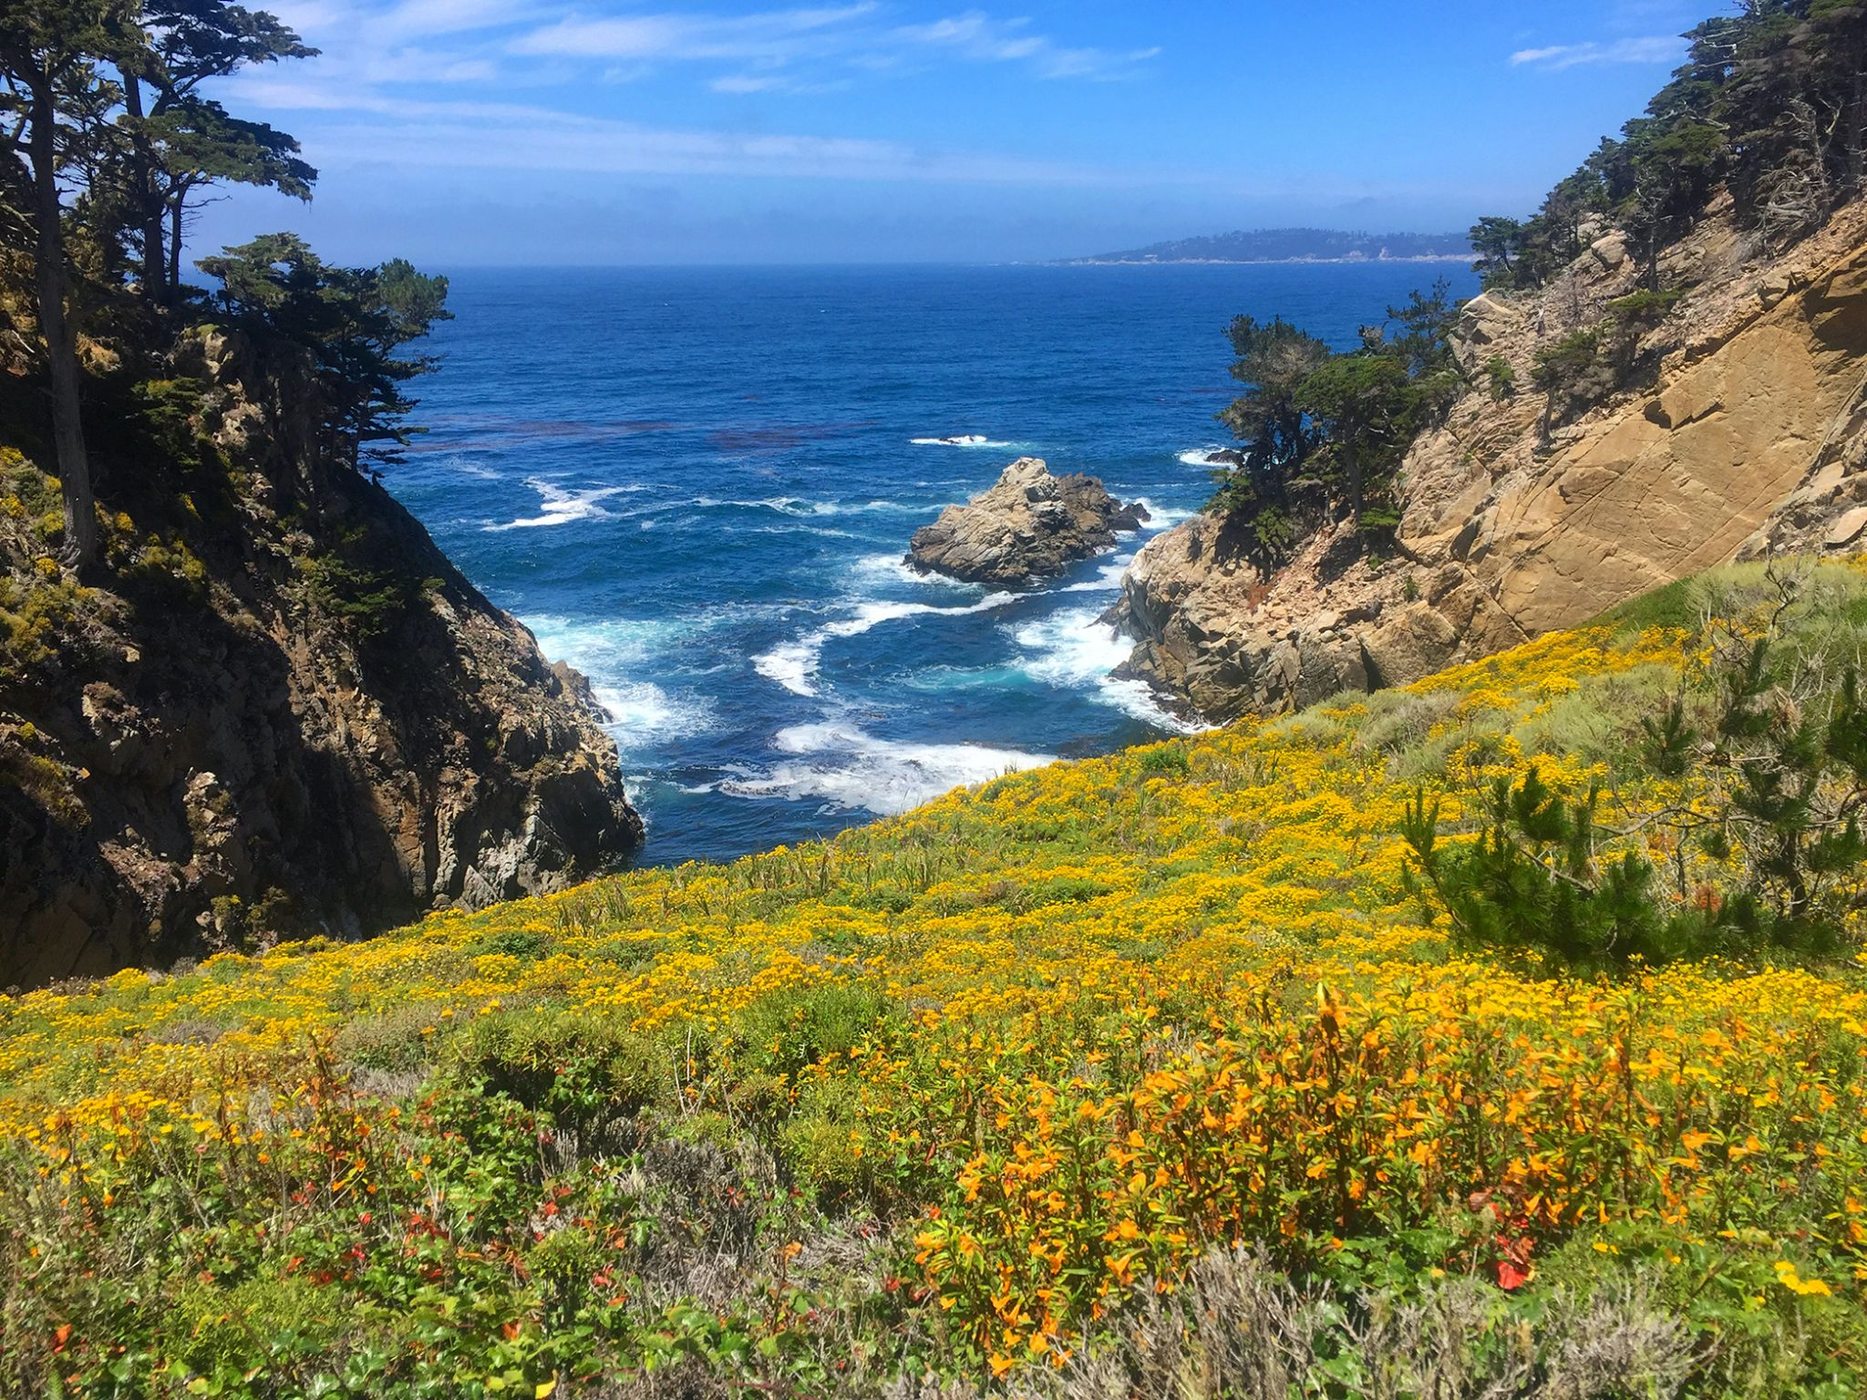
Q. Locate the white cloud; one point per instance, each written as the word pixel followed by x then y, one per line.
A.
pixel 843 35
pixel 979 37
pixel 1657 48
pixel 772 37
pixel 362 129
pixel 383 93
pixel 748 84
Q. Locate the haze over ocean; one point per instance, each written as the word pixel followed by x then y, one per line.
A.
pixel 696 486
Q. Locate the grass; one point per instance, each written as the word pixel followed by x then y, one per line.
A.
pixel 1138 1062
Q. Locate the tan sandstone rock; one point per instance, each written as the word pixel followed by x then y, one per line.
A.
pixel 1751 436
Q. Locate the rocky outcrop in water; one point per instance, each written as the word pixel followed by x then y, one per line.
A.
pixel 1743 429
pixel 275 710
pixel 1030 525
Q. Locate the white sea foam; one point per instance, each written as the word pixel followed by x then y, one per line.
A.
pixel 1200 456
pixel 1107 580
pixel 610 652
pixel 894 569
pixel 467 467
pixel 959 440
pixel 794 664
pixel 602 647
pixel 1162 517
pixel 796 506
pixel 1074 650
pixel 641 712
pixel 560 507
pixel 822 532
pixel 852 770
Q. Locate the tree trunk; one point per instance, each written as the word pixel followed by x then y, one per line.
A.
pixel 61 348
pixel 175 239
pixel 148 206
pixel 1852 134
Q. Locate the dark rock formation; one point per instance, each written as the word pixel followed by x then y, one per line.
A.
pixel 276 710
pixel 1029 525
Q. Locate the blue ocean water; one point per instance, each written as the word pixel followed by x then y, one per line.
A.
pixel 697 485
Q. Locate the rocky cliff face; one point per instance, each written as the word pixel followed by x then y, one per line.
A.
pixel 1741 428
pixel 276 710
pixel 1030 524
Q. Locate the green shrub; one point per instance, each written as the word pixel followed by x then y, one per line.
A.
pixel 1164 761
pixel 39 617
pixel 825 1154
pixel 1769 751
pixel 1570 370
pixel 580 1070
pixel 785 1032
pixel 1642 310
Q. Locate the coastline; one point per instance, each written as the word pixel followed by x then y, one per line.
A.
pixel 1254 262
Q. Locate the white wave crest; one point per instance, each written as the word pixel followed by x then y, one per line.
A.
pixel 560 507
pixel 794 664
pixel 893 569
pixel 467 467
pixel 851 770
pixel 1074 650
pixel 959 440
pixel 1162 517
pixel 641 712
pixel 1200 456
pixel 611 652
pixel 600 647
pixel 1107 580
pixel 796 506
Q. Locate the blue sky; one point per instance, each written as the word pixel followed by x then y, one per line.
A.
pixel 463 132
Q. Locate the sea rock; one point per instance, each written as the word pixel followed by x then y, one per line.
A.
pixel 330 731
pixel 1747 438
pixel 1031 524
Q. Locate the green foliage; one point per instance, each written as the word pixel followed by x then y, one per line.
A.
pixel 350 321
pixel 1643 308
pixel 1767 104
pixel 1500 378
pixel 1529 882
pixel 1327 431
pixel 579 1072
pixel 1575 373
pixel 367 602
pixel 1165 761
pixel 784 1034
pixel 1766 842
pixel 1674 604
pixel 39 615
pixel 1272 360
pixel 1561 367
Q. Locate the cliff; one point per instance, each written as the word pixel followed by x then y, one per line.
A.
pixel 1736 426
pixel 275 709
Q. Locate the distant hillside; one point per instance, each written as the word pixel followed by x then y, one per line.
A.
pixel 1294 245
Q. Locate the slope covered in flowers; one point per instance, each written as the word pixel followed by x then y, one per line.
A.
pixel 944 1101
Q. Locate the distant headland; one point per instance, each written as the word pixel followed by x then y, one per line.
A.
pixel 1277 245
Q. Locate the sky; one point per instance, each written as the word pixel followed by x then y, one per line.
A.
pixel 489 132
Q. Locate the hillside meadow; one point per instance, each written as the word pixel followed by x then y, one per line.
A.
pixel 1149 1074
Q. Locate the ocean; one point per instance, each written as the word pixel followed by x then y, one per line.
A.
pixel 697 486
